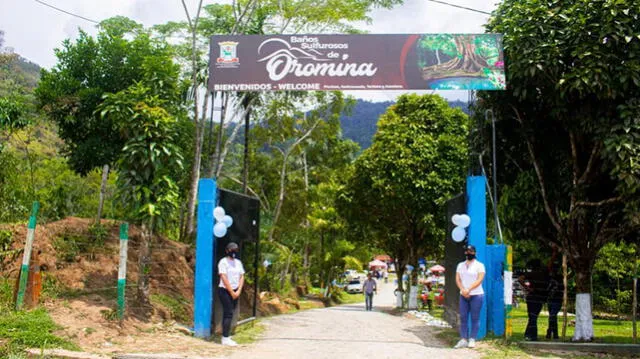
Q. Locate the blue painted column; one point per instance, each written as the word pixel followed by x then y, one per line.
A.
pixel 204 258
pixel 495 295
pixel 477 210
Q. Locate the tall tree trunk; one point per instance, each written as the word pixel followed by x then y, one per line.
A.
pixel 281 194
pixel 103 190
pixel 195 170
pixel 283 176
pixel 232 137
pixel 144 261
pixel 584 317
pixel 321 259
pixel 283 274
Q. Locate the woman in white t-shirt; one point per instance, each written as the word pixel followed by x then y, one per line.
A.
pixel 231 274
pixel 469 276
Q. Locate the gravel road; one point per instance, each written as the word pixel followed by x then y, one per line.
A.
pixel 349 332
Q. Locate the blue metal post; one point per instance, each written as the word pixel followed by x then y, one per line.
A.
pixel 477 210
pixel 204 258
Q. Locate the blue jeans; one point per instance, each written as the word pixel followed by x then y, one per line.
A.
pixel 470 307
pixel 368 300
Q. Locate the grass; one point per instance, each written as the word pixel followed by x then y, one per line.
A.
pixel 346 298
pixel 30 329
pixel 249 333
pixel 25 329
pixel 178 307
pixel 606 331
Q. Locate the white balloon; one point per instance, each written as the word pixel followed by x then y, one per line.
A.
pixel 458 234
pixel 227 220
pixel 464 220
pixel 455 219
pixel 219 230
pixel 218 214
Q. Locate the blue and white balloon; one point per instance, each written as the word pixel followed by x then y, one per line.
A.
pixel 218 213
pixel 464 220
pixel 227 220
pixel 220 230
pixel 458 234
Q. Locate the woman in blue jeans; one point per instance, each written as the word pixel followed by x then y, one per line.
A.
pixel 469 276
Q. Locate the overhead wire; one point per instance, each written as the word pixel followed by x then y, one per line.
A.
pixel 66 12
pixel 460 7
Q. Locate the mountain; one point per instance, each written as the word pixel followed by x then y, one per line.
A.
pixel 17 74
pixel 360 125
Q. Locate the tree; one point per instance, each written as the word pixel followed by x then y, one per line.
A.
pixel 148 165
pixel 89 68
pixel 467 59
pixel 396 195
pixel 570 122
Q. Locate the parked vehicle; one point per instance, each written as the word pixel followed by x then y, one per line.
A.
pixel 354 286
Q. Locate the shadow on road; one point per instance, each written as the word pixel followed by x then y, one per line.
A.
pixel 307 339
pixel 426 336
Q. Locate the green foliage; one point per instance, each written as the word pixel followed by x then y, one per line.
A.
pixel 150 160
pixel 568 123
pixel 11 115
pixel 87 69
pixel 98 233
pixel 6 238
pixel 620 303
pixel 68 247
pixel 395 196
pixel 177 306
pixel 110 315
pixel 30 329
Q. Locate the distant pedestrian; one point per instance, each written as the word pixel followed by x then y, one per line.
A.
pixel 469 277
pixel 556 292
pixel 369 287
pixel 536 285
pixel 231 274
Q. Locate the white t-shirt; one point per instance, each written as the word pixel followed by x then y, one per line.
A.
pixel 470 275
pixel 233 269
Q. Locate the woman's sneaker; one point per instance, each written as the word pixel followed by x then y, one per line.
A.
pixel 228 341
pixel 472 343
pixel 461 344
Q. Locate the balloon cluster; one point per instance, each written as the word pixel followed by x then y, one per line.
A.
pixel 223 220
pixel 461 221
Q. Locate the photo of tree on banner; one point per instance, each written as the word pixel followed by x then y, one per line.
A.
pixel 458 62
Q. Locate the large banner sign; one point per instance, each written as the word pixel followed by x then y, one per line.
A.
pixel 356 62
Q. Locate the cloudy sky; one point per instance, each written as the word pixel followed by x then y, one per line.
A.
pixel 34 30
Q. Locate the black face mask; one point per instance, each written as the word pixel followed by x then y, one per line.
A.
pixel 470 256
pixel 233 254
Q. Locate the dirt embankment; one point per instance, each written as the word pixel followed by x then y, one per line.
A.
pixel 80 270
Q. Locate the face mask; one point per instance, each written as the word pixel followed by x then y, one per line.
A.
pixel 470 256
pixel 233 255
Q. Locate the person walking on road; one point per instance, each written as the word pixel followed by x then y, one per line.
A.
pixel 231 274
pixel 369 287
pixel 469 277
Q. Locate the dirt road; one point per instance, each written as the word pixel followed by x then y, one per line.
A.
pixel 349 332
